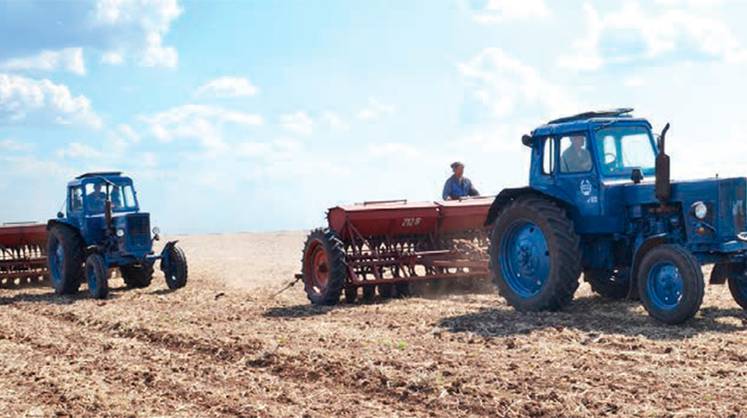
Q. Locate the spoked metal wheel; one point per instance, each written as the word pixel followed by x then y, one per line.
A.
pixel 324 269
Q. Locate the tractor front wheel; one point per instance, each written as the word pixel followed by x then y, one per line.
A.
pixel 324 269
pixel 65 258
pixel 97 276
pixel 137 276
pixel 670 284
pixel 738 287
pixel 176 268
pixel 535 259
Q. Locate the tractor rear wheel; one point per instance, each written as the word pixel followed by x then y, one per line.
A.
pixel 137 276
pixel 611 284
pixel 97 276
pixel 535 260
pixel 670 283
pixel 176 271
pixel 65 258
pixel 324 268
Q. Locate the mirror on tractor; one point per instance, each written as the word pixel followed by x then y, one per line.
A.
pixel 527 140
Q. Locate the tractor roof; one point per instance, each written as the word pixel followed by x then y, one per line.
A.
pixel 583 121
pixel 108 175
pixel 100 174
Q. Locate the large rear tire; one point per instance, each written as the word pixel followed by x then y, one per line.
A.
pixel 535 260
pixel 65 259
pixel 137 276
pixel 324 269
pixel 670 283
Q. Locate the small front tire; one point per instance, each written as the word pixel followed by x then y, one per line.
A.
pixel 670 284
pixel 97 276
pixel 738 287
pixel 176 269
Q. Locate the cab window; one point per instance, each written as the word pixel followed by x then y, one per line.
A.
pixel 76 199
pixel 574 154
pixel 548 156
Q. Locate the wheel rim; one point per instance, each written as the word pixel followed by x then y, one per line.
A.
pixel 525 258
pixel 93 284
pixel 57 260
pixel 318 268
pixel 665 286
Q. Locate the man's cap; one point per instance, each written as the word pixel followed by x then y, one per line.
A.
pixel 456 164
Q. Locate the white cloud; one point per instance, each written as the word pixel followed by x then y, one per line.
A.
pixel 334 121
pixel 507 86
pixel 112 57
pixel 375 110
pixel 204 124
pixel 69 59
pixel 22 99
pixel 631 34
pixel 497 11
pixel 299 122
pixel 147 22
pixel 9 145
pixel 393 150
pixel 227 87
pixel 79 150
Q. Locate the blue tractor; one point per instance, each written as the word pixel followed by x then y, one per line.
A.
pixel 600 202
pixel 102 228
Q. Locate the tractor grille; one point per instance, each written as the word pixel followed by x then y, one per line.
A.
pixel 138 230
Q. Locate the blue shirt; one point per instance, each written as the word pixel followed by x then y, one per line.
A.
pixel 456 188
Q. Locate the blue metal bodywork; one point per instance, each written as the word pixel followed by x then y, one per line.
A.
pixel 618 219
pixel 129 240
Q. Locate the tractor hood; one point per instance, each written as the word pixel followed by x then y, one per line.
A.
pixel 724 198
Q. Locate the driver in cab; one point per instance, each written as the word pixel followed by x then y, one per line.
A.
pixel 96 199
pixel 576 158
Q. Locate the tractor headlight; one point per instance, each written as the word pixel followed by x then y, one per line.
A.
pixel 120 232
pixel 700 210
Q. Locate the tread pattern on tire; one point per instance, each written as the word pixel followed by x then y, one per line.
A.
pixel 72 270
pixel 96 262
pixel 338 267
pixel 179 262
pixel 562 240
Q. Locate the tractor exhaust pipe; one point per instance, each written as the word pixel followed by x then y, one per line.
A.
pixel 663 177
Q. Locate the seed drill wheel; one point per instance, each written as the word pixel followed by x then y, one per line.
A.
pixel 97 276
pixel 670 283
pixel 65 258
pixel 535 259
pixel 324 269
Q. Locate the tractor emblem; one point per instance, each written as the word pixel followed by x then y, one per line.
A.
pixel 585 187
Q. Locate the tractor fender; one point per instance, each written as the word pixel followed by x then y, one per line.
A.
pixel 644 247
pixel 61 222
pixel 507 196
pixel 165 259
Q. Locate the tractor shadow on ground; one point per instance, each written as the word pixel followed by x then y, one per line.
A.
pixel 309 310
pixel 55 299
pixel 594 315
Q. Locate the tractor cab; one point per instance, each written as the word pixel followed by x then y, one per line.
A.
pixel 585 159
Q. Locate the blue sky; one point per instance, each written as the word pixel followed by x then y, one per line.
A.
pixel 258 115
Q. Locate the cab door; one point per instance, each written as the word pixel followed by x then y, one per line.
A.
pixel 578 180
